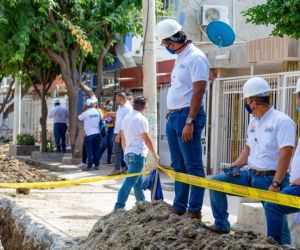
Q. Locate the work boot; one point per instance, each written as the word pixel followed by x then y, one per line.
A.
pixel 175 211
pixel 194 215
pixel 214 229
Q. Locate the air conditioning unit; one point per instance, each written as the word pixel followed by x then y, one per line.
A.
pixel 213 12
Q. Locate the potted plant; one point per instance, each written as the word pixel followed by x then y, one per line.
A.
pixel 25 145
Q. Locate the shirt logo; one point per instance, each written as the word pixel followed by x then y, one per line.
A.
pixel 269 129
pixel 93 116
pixel 252 128
pixel 182 66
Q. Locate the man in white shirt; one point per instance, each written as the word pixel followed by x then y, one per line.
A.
pixel 60 116
pixel 124 109
pixel 186 117
pixel 275 213
pixel 91 119
pixel 135 142
pixel 267 153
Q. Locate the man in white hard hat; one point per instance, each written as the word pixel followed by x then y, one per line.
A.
pixel 276 213
pixel 267 153
pixel 60 117
pixel 186 116
pixel 91 119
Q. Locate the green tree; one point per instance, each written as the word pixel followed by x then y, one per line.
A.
pixel 67 31
pixel 283 14
pixel 39 70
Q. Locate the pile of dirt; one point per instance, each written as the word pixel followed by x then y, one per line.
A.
pixel 149 226
pixel 3 149
pixel 14 170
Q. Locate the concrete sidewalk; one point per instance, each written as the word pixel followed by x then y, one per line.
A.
pixel 72 211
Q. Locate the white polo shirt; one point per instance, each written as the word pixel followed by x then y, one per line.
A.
pixel 190 66
pixel 121 114
pixel 295 167
pixel 133 126
pixel 91 119
pixel 266 136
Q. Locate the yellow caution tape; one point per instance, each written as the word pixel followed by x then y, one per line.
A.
pixel 67 183
pixel 253 193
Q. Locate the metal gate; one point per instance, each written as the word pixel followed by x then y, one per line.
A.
pixel 230 125
pixel 31 113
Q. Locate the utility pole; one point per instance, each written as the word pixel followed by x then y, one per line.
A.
pixel 149 73
pixel 149 66
pixel 17 111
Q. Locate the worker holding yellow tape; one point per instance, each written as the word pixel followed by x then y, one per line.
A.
pixel 268 150
pixel 275 213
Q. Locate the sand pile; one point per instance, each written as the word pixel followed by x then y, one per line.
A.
pixel 150 226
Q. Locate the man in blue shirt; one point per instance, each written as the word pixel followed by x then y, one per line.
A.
pixel 60 117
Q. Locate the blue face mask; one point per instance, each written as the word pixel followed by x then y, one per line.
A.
pixel 298 110
pixel 109 107
pixel 248 108
pixel 172 51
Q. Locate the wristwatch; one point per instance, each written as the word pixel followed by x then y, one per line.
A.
pixel 189 120
pixel 275 184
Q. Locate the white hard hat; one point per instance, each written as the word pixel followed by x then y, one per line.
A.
pixel 89 102
pixel 95 99
pixel 256 86
pixel 297 87
pixel 167 28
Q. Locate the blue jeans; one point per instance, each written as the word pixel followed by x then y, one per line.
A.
pixel 186 157
pixel 135 164
pixel 218 200
pixel 60 130
pixel 275 214
pixel 119 156
pixel 107 143
pixel 92 146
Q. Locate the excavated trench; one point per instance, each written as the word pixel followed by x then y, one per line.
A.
pixel 19 231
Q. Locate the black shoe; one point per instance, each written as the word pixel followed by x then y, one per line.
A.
pixel 124 171
pixel 87 169
pixel 96 168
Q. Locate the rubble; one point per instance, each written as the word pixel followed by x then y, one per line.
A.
pixel 149 226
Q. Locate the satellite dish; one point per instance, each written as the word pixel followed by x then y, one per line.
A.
pixel 220 33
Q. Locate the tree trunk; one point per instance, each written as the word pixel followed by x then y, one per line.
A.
pixel 73 123
pixel 43 121
pixel 99 88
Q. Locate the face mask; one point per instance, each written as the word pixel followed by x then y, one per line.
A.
pixel 298 110
pixel 172 51
pixel 248 108
pixel 108 107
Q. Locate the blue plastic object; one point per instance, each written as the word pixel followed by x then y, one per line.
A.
pixel 149 184
pixel 220 33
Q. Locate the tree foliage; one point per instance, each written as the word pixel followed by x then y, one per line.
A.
pixel 283 14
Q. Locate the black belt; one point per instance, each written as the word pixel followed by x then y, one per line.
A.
pixel 263 173
pixel 178 110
